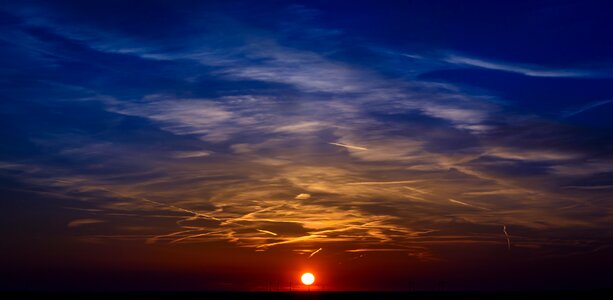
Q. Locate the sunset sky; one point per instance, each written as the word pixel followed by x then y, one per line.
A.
pixel 234 145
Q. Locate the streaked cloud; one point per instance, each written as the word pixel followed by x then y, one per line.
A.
pixel 524 69
pixel 191 154
pixel 383 182
pixel 349 146
pixel 267 232
pixel 83 222
pixel 585 108
pixel 376 250
pixel 301 127
pixel 530 154
pixel 467 204
pixel 507 236
pixel 590 187
pixel 302 196
pixel 315 252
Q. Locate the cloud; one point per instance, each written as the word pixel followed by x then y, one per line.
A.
pixel 455 114
pixel 180 116
pixel 527 70
pixel 376 250
pixel 417 190
pixel 304 70
pixel 191 154
pixel 302 127
pixel 315 252
pixel 589 106
pixel 591 187
pixel 267 232
pixel 467 204
pixel 349 146
pixel 496 192
pixel 83 222
pixel 381 147
pixel 383 182
pixel 531 154
pixel 583 168
pixel 302 196
pixel 507 236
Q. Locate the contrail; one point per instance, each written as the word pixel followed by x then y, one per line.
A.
pixel 267 232
pixel 415 198
pixel 585 108
pixel 194 236
pixel 376 250
pixel 506 234
pixel 315 252
pixel 416 190
pixel 467 204
pixel 81 222
pixel 154 239
pixel 249 215
pixel 349 146
pixel 383 182
pixel 195 213
pixel 180 209
pixel 291 240
pixel 589 187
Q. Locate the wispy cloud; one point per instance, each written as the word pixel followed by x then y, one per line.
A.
pixel 302 196
pixel 416 190
pixel 585 108
pixel 531 154
pixel 302 127
pixel 180 116
pixel 383 182
pixel 83 222
pixel 507 236
pixel 267 232
pixel 191 154
pixel 467 204
pixel 376 250
pixel 590 187
pixel 349 146
pixel 315 252
pixel 535 71
pixel 454 114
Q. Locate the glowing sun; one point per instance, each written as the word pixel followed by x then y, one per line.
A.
pixel 307 278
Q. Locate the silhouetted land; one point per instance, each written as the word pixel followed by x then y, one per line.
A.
pixel 592 294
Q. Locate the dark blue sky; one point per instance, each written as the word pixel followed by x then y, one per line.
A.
pixel 411 128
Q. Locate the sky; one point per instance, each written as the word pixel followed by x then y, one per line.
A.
pixel 233 145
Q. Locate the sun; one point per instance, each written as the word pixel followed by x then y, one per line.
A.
pixel 307 278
